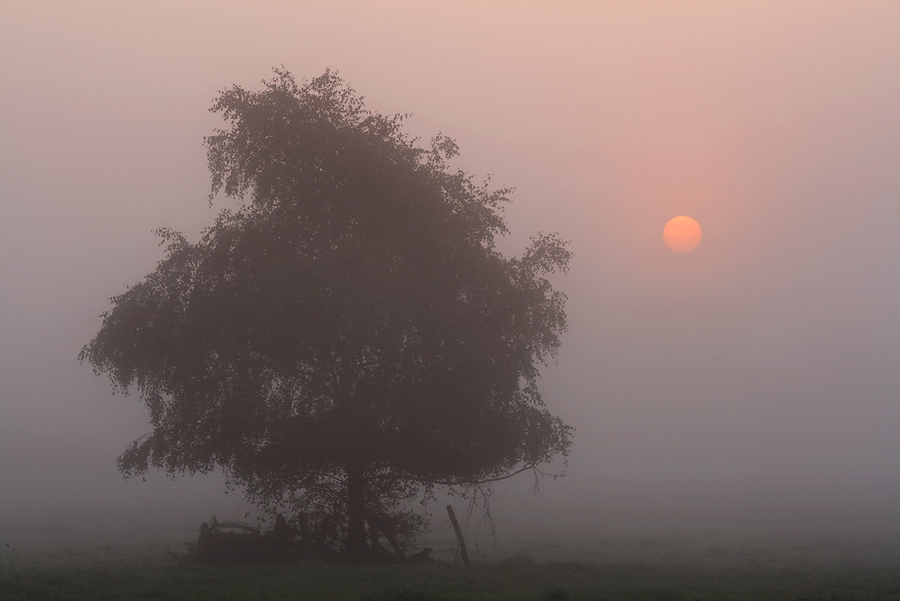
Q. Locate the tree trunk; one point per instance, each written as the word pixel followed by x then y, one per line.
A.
pixel 355 545
pixel 379 524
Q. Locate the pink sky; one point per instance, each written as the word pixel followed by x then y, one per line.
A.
pixel 752 383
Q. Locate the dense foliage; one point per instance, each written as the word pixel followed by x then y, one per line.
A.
pixel 348 338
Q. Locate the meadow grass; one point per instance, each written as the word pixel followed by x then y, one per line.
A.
pixel 538 569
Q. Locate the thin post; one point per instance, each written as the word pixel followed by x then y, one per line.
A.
pixel 462 543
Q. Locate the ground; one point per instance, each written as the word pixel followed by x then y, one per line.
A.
pixel 654 568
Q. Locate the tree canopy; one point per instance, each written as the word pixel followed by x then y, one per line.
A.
pixel 349 337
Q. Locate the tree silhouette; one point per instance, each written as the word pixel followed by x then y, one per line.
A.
pixel 349 337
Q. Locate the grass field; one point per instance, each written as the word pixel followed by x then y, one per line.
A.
pixel 537 569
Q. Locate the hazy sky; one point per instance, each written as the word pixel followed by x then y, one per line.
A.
pixel 751 384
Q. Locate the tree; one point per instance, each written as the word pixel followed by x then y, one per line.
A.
pixel 349 337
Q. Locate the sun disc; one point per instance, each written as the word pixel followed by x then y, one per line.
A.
pixel 682 234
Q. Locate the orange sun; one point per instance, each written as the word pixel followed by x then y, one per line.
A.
pixel 682 234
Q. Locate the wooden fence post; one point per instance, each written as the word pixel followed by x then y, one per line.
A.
pixel 462 543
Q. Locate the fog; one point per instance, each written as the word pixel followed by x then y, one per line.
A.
pixel 751 385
